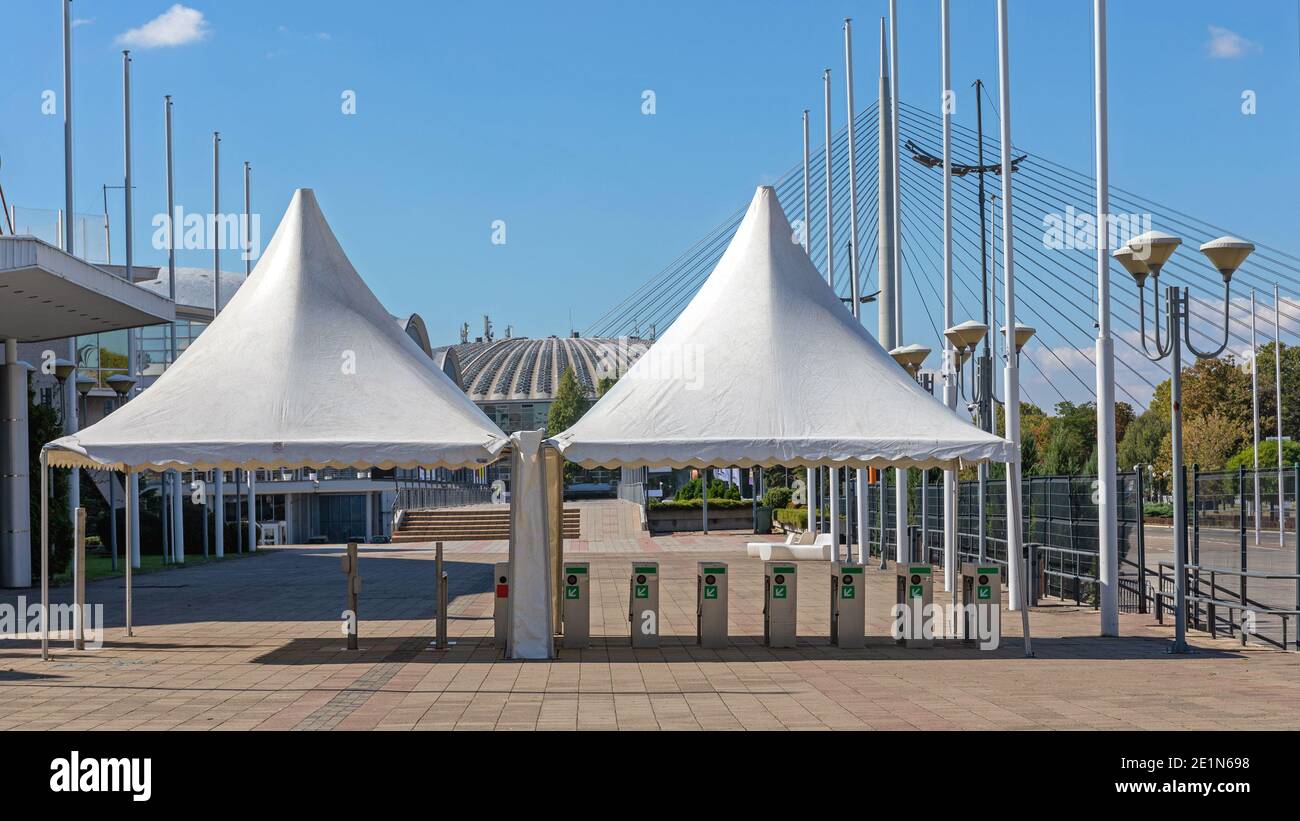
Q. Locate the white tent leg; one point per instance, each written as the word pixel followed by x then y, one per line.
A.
pixel 132 539
pixel 833 491
pixel 863 524
pixel 45 555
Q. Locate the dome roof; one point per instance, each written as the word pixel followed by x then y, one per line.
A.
pixel 524 369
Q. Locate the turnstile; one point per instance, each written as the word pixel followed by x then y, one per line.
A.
pixel 848 605
pixel 643 604
pixel 914 616
pixel 780 603
pixel 981 603
pixel 711 604
pixel 576 606
pixel 500 603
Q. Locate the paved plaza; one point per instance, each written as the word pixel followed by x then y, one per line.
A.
pixel 256 643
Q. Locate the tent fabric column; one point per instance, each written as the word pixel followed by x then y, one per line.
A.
pixel 530 634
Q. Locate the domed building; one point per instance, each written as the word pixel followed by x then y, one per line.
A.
pixel 514 380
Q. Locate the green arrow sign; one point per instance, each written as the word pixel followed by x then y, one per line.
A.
pixel 571 591
pixel 710 591
pixel 778 591
pixel 643 591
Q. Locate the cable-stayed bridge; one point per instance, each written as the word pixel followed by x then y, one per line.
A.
pixel 1055 269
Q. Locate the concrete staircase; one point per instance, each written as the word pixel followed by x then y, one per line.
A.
pixel 468 524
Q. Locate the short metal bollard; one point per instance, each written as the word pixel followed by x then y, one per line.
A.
pixel 440 639
pixel 79 583
pixel 349 565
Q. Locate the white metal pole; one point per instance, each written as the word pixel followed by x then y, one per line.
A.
pixel 1011 372
pixel 216 216
pixel 1277 384
pixel 895 221
pixel 807 230
pixel 132 540
pixel 833 474
pixel 67 125
pixel 830 222
pixel 1107 509
pixel 810 482
pixel 252 509
pixel 853 167
pixel 860 475
pixel 245 243
pixel 901 548
pixel 1254 405
pixel 173 477
pixel 949 364
pixel 45 555
pixel 885 208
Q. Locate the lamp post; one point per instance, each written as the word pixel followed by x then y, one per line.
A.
pixel 1145 255
pixel 910 357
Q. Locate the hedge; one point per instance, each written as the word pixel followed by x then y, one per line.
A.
pixel 796 517
pixel 698 504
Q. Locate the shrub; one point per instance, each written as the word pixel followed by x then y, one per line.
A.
pixel 1159 510
pixel 778 497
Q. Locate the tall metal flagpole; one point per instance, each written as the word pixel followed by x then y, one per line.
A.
pixel 1011 371
pixel 949 369
pixel 806 211
pixel 860 475
pixel 810 479
pixel 833 482
pixel 902 549
pixel 219 475
pixel 884 209
pixel 1107 511
pixel 1254 404
pixel 1277 384
pixel 178 511
pixel 69 232
pixel 132 501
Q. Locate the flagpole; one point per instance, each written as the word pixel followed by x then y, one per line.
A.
pixel 1107 510
pixel 949 371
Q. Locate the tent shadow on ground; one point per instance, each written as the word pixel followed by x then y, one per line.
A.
pixel 312 588
pixel 683 650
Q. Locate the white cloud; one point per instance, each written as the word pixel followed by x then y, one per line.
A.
pixel 177 26
pixel 78 22
pixel 1225 44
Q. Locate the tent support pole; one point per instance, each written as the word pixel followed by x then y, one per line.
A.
pixel 131 502
pixel 45 555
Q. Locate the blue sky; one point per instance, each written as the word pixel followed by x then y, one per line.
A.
pixel 531 113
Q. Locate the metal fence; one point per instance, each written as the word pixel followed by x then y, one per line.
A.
pixel 1230 535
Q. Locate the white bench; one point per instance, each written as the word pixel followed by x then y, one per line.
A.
pixel 801 547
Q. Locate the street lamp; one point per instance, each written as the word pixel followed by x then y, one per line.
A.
pixel 910 357
pixel 1144 256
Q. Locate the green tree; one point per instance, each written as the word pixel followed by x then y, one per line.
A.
pixel 1142 439
pixel 1066 452
pixel 568 406
pixel 1208 441
pixel 43 427
pixel 1267 456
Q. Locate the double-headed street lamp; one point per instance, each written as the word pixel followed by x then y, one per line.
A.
pixel 1144 256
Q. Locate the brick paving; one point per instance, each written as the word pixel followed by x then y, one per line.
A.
pixel 256 643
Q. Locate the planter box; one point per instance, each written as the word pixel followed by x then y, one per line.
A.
pixel 677 521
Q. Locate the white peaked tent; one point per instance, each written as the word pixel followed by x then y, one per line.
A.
pixel 765 367
pixel 303 367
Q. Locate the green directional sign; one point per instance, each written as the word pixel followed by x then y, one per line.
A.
pixel 915 591
pixel 848 592
pixel 570 591
pixel 778 591
pixel 643 591
pixel 710 591
pixel 984 592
